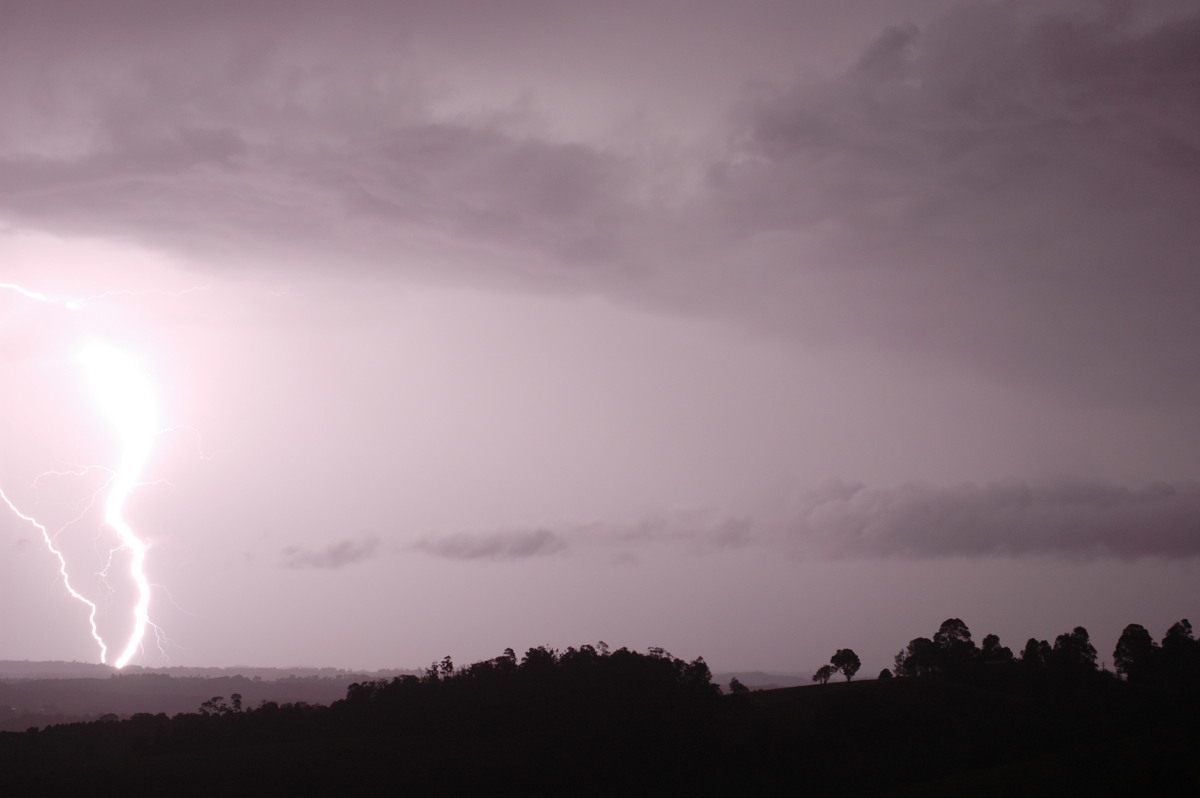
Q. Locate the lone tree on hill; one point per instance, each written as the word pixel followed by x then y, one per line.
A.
pixel 846 661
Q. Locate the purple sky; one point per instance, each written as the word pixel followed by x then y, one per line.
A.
pixel 748 330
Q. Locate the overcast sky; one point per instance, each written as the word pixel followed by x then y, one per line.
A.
pixel 747 330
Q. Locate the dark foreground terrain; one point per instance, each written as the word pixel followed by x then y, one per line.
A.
pixel 592 722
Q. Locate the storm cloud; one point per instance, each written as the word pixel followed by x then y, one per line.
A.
pixel 1069 518
pixel 842 520
pixel 501 545
pixel 1012 184
pixel 1009 187
pixel 334 555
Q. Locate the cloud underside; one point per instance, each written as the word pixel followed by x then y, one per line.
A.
pixel 1010 187
pixel 842 520
pixel 506 545
pixel 338 554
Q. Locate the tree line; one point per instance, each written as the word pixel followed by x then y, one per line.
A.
pixel 952 652
pixel 544 718
pixel 597 721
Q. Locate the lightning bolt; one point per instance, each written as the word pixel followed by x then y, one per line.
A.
pixel 25 292
pixel 48 539
pixel 127 399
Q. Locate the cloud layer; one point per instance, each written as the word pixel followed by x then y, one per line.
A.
pixel 504 545
pixel 1073 518
pixel 1011 187
pixel 845 520
pixel 335 555
pixel 1011 184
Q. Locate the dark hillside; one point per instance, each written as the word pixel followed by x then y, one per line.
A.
pixel 29 703
pixel 597 723
pixel 941 736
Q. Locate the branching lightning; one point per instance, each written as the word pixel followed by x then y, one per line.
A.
pixel 48 539
pixel 127 400
pixel 126 397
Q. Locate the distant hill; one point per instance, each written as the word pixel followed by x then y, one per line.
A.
pixel 38 694
pixel 53 669
pixel 760 680
pixel 1009 734
pixel 25 669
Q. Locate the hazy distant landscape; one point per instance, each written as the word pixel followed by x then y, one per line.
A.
pixel 38 694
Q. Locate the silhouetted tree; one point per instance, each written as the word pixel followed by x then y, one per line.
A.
pixel 214 706
pixel 956 650
pixel 538 659
pixel 992 652
pixel 1036 654
pixel 823 674
pixel 1181 654
pixel 1179 635
pixel 737 688
pixel 885 674
pixel 953 633
pixel 921 657
pixel 846 661
pixel 1136 654
pixel 1073 652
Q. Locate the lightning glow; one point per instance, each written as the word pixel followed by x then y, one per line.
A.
pixel 126 398
pixel 125 395
pixel 76 304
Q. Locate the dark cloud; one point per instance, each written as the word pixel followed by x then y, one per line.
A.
pixel 335 555
pixel 502 545
pixel 1012 187
pixel 1071 518
pixel 244 136
pixel 1084 519
pixel 693 529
